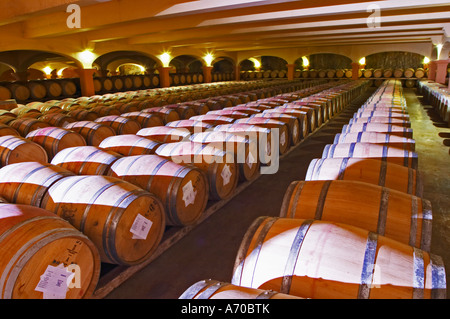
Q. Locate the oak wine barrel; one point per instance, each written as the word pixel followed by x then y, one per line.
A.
pixel 86 160
pixel 120 124
pixel 93 133
pixel 165 134
pixel 39 250
pixel 381 173
pixel 403 217
pixel 376 138
pixel 125 222
pixel 327 260
pixel 26 125
pixel 16 149
pixel 213 289
pixel 183 190
pixel 129 144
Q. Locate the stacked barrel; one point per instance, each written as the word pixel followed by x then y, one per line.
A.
pixel 101 184
pixel 438 95
pixel 357 226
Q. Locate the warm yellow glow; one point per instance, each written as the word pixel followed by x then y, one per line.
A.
pixel 256 63
pixel 60 72
pixel 87 57
pixel 208 59
pixel 439 49
pixel 165 59
pixel 362 61
pixel 426 60
pixel 141 68
pixel 305 61
pixel 47 70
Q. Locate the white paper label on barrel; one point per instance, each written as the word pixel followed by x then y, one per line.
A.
pixel 189 194
pixel 226 174
pixel 53 283
pixel 283 138
pixel 141 226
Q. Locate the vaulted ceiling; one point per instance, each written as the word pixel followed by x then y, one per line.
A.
pixel 224 26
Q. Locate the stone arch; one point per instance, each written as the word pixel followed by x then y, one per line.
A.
pixel 109 62
pixel 187 63
pixel 325 60
pixel 394 59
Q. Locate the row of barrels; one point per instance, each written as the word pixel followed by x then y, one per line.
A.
pixel 264 74
pixel 364 73
pixel 357 227
pixel 38 90
pixel 88 205
pixel 237 289
pixel 438 95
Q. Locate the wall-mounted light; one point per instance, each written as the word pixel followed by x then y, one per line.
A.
pixel 426 60
pixel 87 57
pixel 47 70
pixel 256 63
pixel 165 59
pixel 362 61
pixel 305 61
pixel 208 59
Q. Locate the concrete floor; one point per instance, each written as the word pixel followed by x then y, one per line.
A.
pixel 209 250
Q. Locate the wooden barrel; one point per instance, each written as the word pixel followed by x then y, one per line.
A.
pixel 117 84
pixel 409 73
pixel 69 88
pixel 26 125
pixel 5 93
pixel 54 89
pixel 86 160
pixel 213 289
pixel 120 124
pixel 283 130
pixel 387 73
pixel 93 133
pixel 125 222
pixel 26 182
pixel 229 113
pixel 165 134
pixel 213 119
pixel 403 217
pixel 104 110
pixel 19 92
pixel 184 111
pixel 82 115
pixel 381 173
pixel 380 119
pixel 384 152
pixel 8 130
pixel 367 73
pixel 313 118
pixel 56 119
pixel 129 144
pixel 37 90
pixel 55 139
pixel 383 113
pixel 328 260
pixel 220 166
pixel 25 111
pixel 420 73
pixel 144 119
pixel 16 149
pixel 376 138
pixel 377 73
pixel 6 119
pixel 193 126
pixel 244 148
pixel 398 73
pixel 183 190
pixel 379 127
pixel 297 130
pixel 38 250
pixel 167 115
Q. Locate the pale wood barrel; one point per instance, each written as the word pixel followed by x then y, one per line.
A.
pixel 369 150
pixel 379 127
pixel 86 160
pixel 183 190
pixel 120 124
pixel 129 144
pixel 220 166
pixel 165 134
pixel 55 139
pixel 381 173
pixel 193 126
pixel 35 244
pixel 213 119
pixel 376 138
pixel 403 217
pixel 167 115
pixel 144 119
pixel 56 119
pixel 8 130
pixel 94 133
pixel 125 222
pixel 328 260
pixel 16 149
pixel 26 182
pixel 214 289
